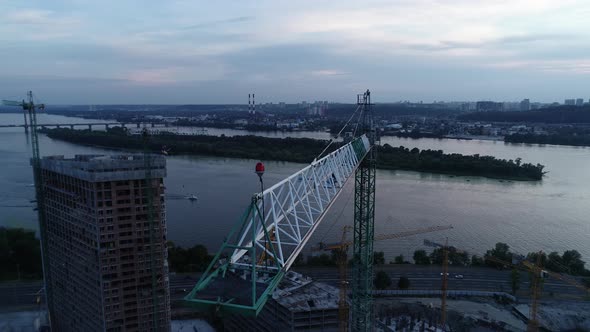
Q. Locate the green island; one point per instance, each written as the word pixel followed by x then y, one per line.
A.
pixel 304 150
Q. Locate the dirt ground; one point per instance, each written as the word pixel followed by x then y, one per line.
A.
pixel 462 315
pixel 561 315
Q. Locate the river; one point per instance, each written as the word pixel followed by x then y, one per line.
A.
pixel 549 215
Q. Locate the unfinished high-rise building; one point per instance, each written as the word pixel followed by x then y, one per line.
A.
pixel 106 267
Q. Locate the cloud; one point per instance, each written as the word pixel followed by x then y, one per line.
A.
pixel 238 19
pixel 577 66
pixel 291 49
pixel 327 72
pixel 28 16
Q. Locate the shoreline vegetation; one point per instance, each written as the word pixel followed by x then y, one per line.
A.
pixel 20 258
pixel 304 150
pixel 569 139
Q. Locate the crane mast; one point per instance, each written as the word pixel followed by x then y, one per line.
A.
pixel 364 223
pixel 30 110
pixel 445 284
pixel 342 261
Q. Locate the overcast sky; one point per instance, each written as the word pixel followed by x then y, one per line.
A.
pixel 173 52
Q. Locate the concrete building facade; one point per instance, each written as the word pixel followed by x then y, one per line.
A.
pixel 100 245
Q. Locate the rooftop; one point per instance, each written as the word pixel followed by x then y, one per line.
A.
pixel 96 168
pixel 311 295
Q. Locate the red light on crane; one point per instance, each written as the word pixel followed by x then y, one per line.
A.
pixel 260 169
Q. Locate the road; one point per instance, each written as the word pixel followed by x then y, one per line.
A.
pixel 24 294
pixel 429 277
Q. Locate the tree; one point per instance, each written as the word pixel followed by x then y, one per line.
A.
pixel 382 280
pixel 455 257
pixel 534 256
pixel 20 254
pixel 399 259
pixel 476 261
pixel 378 258
pixel 192 259
pixel 338 255
pixel 555 263
pixel 321 260
pixel 403 283
pixel 515 280
pixel 421 257
pixel 573 260
pixel 501 251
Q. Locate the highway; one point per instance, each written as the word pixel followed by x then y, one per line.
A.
pixel 24 294
pixel 429 277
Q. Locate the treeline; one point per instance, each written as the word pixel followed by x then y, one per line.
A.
pixel 569 262
pixel 435 161
pixel 555 139
pixel 20 254
pixel 304 150
pixel 225 125
pixel 558 114
pixel 193 259
pixel 391 111
pixel 332 258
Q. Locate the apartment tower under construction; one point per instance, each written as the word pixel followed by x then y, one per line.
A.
pixel 105 246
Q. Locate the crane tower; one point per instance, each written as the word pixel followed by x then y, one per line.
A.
pixel 364 225
pixel 258 253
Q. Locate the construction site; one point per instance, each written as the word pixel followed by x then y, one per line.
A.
pixel 103 233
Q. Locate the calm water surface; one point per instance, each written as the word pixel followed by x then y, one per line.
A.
pixel 529 216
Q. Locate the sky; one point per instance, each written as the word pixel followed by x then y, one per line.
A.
pixel 216 52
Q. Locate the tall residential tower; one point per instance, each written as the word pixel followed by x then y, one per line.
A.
pixel 104 274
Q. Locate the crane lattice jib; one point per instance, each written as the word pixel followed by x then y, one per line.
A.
pixel 238 279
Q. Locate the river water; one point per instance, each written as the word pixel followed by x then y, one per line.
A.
pixel 549 215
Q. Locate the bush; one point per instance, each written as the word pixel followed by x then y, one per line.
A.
pixel 403 283
pixel 382 280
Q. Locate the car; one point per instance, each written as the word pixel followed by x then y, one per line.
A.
pixel 442 274
pixel 458 276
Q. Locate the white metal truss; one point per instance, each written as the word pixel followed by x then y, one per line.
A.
pixel 295 206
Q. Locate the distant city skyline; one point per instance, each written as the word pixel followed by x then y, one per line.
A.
pixel 182 52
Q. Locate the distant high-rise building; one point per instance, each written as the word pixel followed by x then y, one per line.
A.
pixel 525 105
pixel 570 102
pixel 579 102
pixel 103 252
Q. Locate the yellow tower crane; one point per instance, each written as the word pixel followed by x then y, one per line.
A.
pixel 444 275
pixel 538 274
pixel 342 262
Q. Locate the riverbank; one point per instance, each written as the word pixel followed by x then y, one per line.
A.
pixel 304 150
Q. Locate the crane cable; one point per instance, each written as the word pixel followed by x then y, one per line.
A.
pixel 358 121
pixel 327 232
pixel 338 135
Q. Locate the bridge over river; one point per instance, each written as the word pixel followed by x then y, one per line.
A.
pixel 89 125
